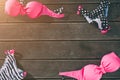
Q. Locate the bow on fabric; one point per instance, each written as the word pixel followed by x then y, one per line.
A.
pixel 32 9
pixel 109 63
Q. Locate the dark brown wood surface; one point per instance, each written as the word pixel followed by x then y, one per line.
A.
pixel 46 46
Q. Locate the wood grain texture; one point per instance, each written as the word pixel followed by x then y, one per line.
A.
pixel 65 2
pixel 70 14
pixel 60 50
pixel 68 79
pixel 56 31
pixel 51 68
pixel 45 46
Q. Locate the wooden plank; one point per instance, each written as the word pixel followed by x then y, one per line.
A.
pixel 56 31
pixel 64 2
pixel 45 49
pixel 43 69
pixel 67 79
pixel 51 68
pixel 70 14
pixel 46 79
pixel 60 50
pixel 71 1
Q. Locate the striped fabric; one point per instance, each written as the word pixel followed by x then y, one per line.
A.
pixel 9 70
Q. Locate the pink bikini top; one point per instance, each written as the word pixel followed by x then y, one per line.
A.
pixel 109 63
pixel 32 9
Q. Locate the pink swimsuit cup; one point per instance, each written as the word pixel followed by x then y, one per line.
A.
pixel 32 9
pixel 109 63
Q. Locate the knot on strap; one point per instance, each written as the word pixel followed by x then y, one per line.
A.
pixel 102 69
pixel 22 10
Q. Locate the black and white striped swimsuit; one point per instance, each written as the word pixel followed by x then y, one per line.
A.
pixel 9 70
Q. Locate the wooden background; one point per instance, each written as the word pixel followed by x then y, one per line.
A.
pixel 45 46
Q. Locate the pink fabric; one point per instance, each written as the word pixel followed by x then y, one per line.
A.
pixel 32 9
pixel 104 31
pixel 109 63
